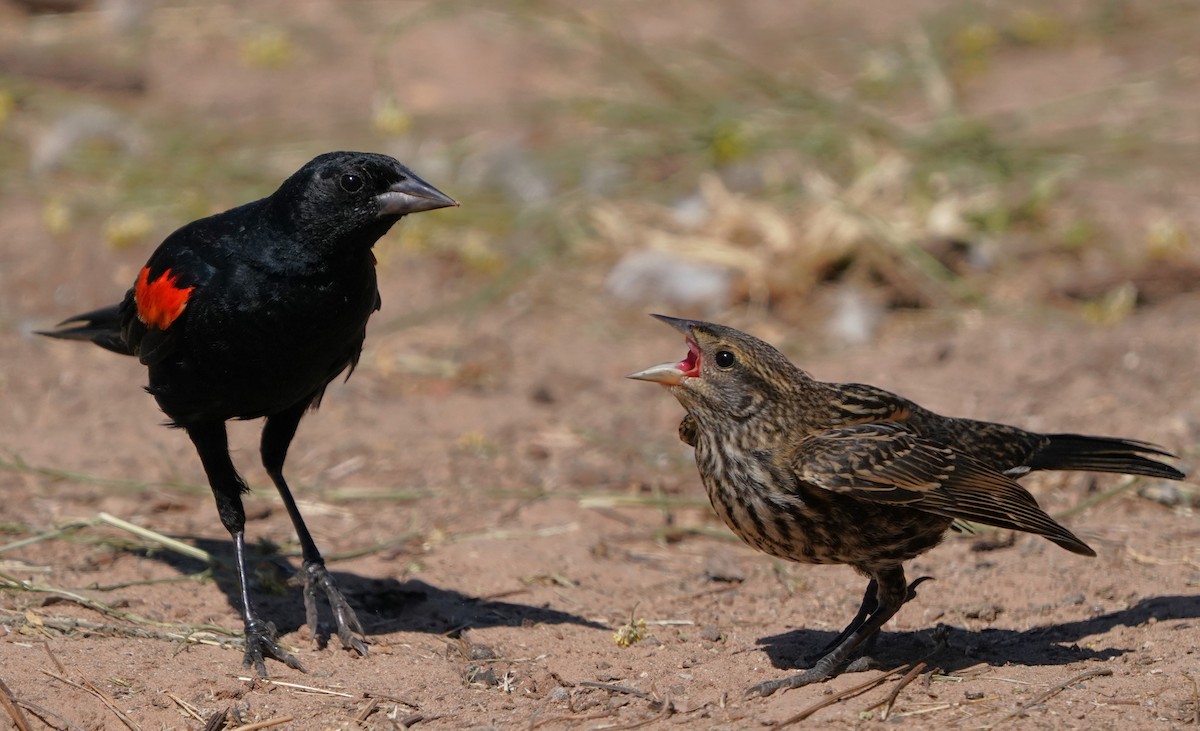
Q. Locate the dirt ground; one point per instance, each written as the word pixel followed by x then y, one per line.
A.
pixel 497 501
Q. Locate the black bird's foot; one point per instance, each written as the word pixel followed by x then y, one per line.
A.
pixel 316 575
pixel 808 677
pixel 261 644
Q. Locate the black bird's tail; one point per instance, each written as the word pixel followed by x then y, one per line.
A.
pixel 102 327
pixel 1103 454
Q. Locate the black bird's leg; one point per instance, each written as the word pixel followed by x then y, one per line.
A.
pixel 276 437
pixel 212 445
pixel 891 592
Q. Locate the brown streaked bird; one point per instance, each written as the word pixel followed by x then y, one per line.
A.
pixel 845 473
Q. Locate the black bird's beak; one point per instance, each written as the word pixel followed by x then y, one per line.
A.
pixel 412 195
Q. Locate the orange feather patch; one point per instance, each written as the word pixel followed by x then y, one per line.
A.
pixel 160 302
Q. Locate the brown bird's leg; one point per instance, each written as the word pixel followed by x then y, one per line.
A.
pixel 276 437
pixel 212 445
pixel 869 604
pixel 890 594
pixel 865 661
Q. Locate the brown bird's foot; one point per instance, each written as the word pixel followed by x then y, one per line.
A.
pixel 316 575
pixel 911 591
pixel 808 677
pixel 825 668
pixel 886 593
pixel 261 644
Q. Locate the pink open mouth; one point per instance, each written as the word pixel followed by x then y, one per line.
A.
pixel 691 364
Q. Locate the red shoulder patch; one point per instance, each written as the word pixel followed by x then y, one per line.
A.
pixel 161 302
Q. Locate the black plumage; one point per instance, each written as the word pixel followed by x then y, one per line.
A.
pixel 252 313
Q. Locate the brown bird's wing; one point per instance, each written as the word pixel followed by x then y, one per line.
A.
pixel 859 403
pixel 1002 447
pixel 886 462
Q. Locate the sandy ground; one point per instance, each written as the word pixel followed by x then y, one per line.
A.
pixel 497 502
pixel 497 590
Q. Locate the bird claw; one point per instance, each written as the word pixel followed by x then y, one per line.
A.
pixel 261 644
pixel 808 677
pixel 316 575
pixel 911 592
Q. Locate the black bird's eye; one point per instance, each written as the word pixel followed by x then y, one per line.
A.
pixel 724 359
pixel 351 183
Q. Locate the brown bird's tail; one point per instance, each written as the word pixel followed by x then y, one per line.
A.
pixel 102 327
pixel 1103 454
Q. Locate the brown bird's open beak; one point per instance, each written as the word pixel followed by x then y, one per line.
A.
pixel 412 195
pixel 668 374
pixel 672 374
pixel 680 324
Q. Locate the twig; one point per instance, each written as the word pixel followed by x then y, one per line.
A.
pixel 149 535
pixel 188 708
pixel 10 705
pixel 124 717
pixel 890 701
pixel 53 658
pixel 623 689
pixel 389 494
pixel 195 636
pixel 365 713
pixel 1148 560
pixel 17 464
pixel 931 709
pixel 413 719
pixel 1098 498
pixel 47 535
pixel 43 712
pixel 938 89
pixel 503 534
pixel 265 724
pixel 1195 699
pixel 374 548
pixel 569 719
pixel 87 687
pixel 639 501
pixel 667 710
pixel 198 577
pixel 1043 697
pixel 8 582
pixel 296 686
pixel 839 697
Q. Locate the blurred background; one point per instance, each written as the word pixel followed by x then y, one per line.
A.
pixel 828 163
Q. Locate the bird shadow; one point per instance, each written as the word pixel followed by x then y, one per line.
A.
pixel 1051 644
pixel 383 605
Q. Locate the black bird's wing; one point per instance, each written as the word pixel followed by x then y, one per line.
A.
pixel 101 326
pixel 154 313
pixel 887 462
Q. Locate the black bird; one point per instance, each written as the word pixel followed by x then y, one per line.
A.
pixel 845 473
pixel 251 313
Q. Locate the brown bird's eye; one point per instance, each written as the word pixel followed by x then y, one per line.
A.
pixel 351 183
pixel 724 359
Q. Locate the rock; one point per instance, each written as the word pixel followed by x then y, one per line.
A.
pixel 656 276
